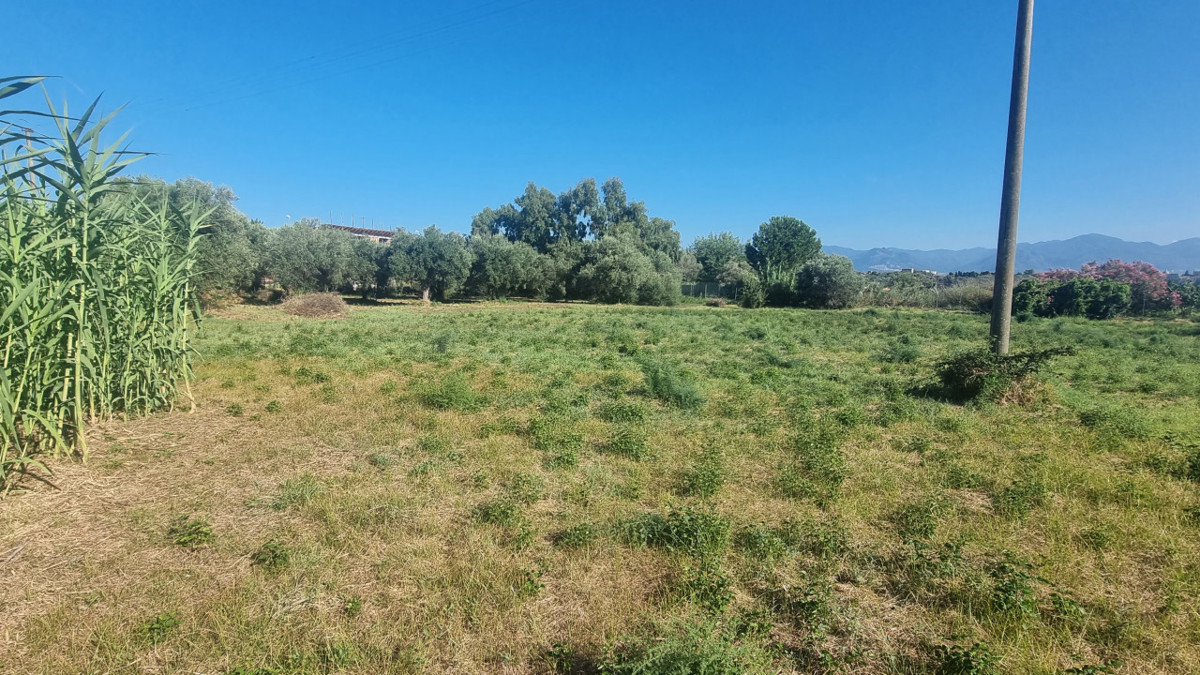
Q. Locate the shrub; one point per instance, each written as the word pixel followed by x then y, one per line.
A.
pixel 316 306
pixel 977 374
pixel 829 282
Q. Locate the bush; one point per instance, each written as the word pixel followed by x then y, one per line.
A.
pixel 316 306
pixel 984 374
pixel 829 282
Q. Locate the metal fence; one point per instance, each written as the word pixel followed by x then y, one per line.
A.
pixel 710 289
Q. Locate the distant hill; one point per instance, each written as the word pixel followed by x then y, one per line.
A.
pixel 1177 257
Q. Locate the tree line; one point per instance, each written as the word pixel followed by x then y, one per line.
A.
pixel 592 243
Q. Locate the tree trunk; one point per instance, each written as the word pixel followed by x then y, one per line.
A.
pixel 425 295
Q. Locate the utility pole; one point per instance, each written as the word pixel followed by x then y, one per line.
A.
pixel 1010 201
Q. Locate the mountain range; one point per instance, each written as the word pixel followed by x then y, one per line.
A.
pixel 1180 256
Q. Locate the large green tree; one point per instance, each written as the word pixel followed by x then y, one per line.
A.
pixel 617 269
pixel 542 220
pixel 780 248
pixel 714 252
pixel 435 262
pixel 501 268
pixel 304 256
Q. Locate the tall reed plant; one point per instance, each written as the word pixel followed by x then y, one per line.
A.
pixel 97 300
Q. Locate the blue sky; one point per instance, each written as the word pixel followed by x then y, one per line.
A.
pixel 880 123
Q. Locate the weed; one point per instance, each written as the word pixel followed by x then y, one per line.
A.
pixel 274 407
pixel 306 375
pixel 900 350
pixel 958 477
pixel 1102 668
pixel 381 460
pixel 190 532
pixel 297 492
pixel 670 387
pixel 501 511
pixel 704 479
pixel 352 605
pixel 1012 587
pixel 623 412
pixel 553 433
pixel 452 392
pixel 761 544
pixel 1019 498
pixel 627 441
pixel 1120 422
pixel 235 410
pixel 706 585
pixel 1065 611
pixel 825 538
pixel 271 555
pixel 577 536
pixel 687 648
pixel 808 605
pixel 697 532
pixel 158 628
pixel 443 342
pixel 919 520
pixel 977 659
pixel 1096 539
pixel 819 468
pixel 530 583
pixel 525 488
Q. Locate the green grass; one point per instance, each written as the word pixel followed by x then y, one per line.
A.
pixel 532 489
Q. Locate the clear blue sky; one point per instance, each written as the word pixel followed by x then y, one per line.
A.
pixel 880 123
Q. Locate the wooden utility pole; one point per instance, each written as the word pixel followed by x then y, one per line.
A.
pixel 1010 201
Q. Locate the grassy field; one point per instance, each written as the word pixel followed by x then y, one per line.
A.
pixel 521 488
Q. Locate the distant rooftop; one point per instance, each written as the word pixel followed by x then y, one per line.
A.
pixel 363 231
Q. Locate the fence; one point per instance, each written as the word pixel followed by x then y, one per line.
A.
pixel 710 289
